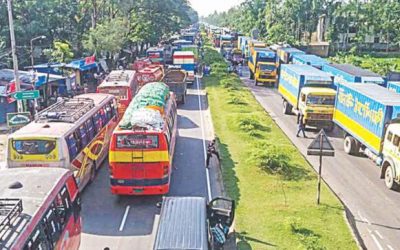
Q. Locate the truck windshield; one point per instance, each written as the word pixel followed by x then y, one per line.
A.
pixel 320 100
pixel 33 147
pixel 267 67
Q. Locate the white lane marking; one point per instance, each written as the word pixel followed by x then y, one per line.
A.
pixel 377 242
pixel 379 234
pixel 121 227
pixel 390 247
pixel 204 141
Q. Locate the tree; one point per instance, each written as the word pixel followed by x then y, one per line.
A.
pixel 108 36
pixel 61 52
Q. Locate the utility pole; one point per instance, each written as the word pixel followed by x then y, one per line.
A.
pixel 14 54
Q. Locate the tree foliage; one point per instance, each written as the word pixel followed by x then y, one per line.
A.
pixel 294 21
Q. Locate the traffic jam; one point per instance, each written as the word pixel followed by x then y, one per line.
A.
pixel 131 120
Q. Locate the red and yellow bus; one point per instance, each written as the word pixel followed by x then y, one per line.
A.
pixel 142 145
pixel 123 85
pixel 73 133
pixel 39 209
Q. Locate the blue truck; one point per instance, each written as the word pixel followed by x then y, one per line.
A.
pixel 308 59
pixel 368 114
pixel 308 91
pixel 347 73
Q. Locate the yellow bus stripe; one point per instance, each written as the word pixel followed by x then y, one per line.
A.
pixel 357 129
pixel 138 156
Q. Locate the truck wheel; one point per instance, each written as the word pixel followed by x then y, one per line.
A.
pixel 183 99
pixel 251 76
pixel 351 146
pixel 286 108
pixel 256 83
pixel 389 178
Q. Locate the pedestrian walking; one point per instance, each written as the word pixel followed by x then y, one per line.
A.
pixel 301 125
pixel 210 151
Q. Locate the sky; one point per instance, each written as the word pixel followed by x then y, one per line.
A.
pixel 206 7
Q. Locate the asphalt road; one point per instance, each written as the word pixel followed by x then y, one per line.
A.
pixel 131 222
pixel 355 180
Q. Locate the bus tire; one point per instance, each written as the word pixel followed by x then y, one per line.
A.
pixel 389 178
pixel 351 146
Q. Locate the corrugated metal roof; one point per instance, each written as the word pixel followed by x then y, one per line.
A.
pixel 353 70
pixel 376 92
pixel 182 224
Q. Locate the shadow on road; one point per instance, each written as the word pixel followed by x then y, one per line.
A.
pixel 186 123
pixel 244 239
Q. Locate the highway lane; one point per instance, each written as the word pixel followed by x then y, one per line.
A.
pixel 131 222
pixel 354 179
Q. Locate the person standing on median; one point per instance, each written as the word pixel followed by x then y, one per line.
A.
pixel 211 150
pixel 301 125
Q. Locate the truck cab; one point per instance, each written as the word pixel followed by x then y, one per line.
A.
pixel 391 156
pixel 262 65
pixel 317 104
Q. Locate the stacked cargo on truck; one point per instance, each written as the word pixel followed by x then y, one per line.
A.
pixel 186 60
pixel 308 91
pixel 347 73
pixel 150 73
pixel 369 117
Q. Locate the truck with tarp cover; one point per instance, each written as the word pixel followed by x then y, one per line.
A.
pixel 142 146
pixel 175 78
pixel 347 73
pixel 368 114
pixel 308 91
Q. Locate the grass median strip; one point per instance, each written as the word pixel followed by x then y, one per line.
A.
pixel 273 184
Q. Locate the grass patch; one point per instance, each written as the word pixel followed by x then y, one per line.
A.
pixel 273 185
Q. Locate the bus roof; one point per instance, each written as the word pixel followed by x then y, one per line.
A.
pixel 58 129
pixel 118 78
pixel 187 216
pixel 36 186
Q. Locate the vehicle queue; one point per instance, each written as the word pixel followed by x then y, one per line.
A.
pixel 362 105
pixel 132 118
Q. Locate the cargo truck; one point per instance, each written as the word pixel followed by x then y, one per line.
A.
pixel 393 81
pixel 307 59
pixel 175 78
pixel 285 54
pixel 347 73
pixel 308 91
pixel 369 116
pixel 253 44
pixel 156 55
pixel 243 44
pixel 186 60
pixel 189 36
pixel 262 66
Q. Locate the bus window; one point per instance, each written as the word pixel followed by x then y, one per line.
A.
pixel 83 135
pixel 103 117
pixel 113 109
pixel 108 111
pixel 37 240
pixel 90 129
pixel 34 147
pixel 97 122
pixel 52 225
pixel 63 206
pixel 72 147
pixel 137 141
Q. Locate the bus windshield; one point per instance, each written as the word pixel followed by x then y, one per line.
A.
pixel 267 67
pixel 137 141
pixel 320 100
pixel 34 147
